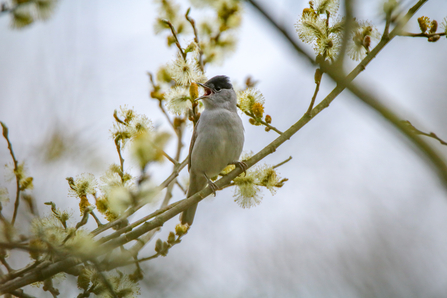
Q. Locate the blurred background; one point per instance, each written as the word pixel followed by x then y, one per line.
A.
pixel 362 215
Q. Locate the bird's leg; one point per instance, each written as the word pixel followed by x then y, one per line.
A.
pixel 211 184
pixel 242 165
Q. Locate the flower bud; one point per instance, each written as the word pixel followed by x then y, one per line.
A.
pixel 193 90
pixel 191 47
pixel 158 245
pixel 171 238
pixel 164 249
pixel 434 38
pixel 433 26
pixel 178 122
pixel 36 245
pixel 268 119
pixel 367 41
pixel 423 23
pixel 258 109
pixel 171 40
pixel 157 95
pixel 181 230
pixel 318 75
pixel 27 183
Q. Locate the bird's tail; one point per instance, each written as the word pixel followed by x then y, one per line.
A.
pixel 196 184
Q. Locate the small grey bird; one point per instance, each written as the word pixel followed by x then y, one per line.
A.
pixel 217 140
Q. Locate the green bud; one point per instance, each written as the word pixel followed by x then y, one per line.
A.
pixel 171 238
pixel 158 246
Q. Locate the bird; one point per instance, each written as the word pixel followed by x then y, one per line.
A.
pixel 217 140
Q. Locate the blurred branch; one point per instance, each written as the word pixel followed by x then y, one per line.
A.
pixel 177 43
pixel 180 186
pixel 196 37
pixel 21 294
pixel 118 149
pixel 104 280
pixel 16 165
pixel 345 82
pixel 348 24
pixel 168 157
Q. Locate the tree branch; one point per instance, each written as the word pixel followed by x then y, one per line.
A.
pixel 345 82
pixel 16 165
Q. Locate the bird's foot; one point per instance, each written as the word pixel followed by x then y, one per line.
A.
pixel 242 165
pixel 212 185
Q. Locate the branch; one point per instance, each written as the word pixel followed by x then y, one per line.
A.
pixel 196 37
pixel 318 75
pixel 20 294
pixel 345 82
pixel 118 149
pixel 282 163
pixel 177 43
pixel 430 135
pixel 168 157
pixel 131 211
pixel 428 35
pixel 259 120
pixel 16 165
pixel 158 221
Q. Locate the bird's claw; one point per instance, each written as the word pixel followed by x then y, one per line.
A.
pixel 212 185
pixel 242 165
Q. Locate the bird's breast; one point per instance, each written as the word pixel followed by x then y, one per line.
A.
pixel 220 138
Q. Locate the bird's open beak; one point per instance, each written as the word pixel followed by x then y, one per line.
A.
pixel 208 90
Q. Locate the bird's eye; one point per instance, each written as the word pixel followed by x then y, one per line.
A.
pixel 217 89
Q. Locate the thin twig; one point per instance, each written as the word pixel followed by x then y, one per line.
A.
pixel 16 165
pixel 421 34
pixel 196 37
pixel 162 108
pixel 147 258
pixel 259 120
pixel 430 135
pixel 281 163
pixel 180 186
pixel 177 43
pixel 118 149
pixel 98 222
pixel 318 75
pixel 168 157
pixel 3 261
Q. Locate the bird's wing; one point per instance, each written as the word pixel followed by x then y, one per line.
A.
pixel 191 146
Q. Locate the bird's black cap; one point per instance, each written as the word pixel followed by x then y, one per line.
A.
pixel 219 82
